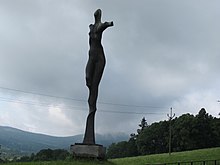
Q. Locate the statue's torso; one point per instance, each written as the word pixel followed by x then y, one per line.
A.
pixel 95 37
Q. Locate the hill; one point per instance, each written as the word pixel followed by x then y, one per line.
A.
pixel 21 142
pixel 187 156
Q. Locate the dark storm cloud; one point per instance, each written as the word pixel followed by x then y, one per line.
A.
pixel 159 54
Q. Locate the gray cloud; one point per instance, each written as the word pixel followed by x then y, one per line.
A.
pixel 159 54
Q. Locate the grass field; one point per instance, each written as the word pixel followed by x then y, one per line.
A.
pixel 196 155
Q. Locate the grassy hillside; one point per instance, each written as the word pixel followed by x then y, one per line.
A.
pixel 196 155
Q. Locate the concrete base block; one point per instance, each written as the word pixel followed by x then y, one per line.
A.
pixel 88 151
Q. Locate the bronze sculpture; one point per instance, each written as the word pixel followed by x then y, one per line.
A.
pixel 94 71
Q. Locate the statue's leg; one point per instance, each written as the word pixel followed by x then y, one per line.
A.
pixel 90 67
pixel 89 137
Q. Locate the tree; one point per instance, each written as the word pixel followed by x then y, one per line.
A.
pixel 49 154
pixel 127 148
pixel 203 131
pixel 153 139
pixel 143 125
pixel 44 155
pixel 24 159
pixel 132 148
pixel 117 150
pixel 182 133
pixel 215 126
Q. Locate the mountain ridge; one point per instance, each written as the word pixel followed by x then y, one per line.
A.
pixel 21 142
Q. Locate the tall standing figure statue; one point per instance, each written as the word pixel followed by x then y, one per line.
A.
pixel 94 71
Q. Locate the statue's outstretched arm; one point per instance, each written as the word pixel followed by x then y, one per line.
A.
pixel 106 25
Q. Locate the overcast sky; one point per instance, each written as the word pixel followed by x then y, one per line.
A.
pixel 160 54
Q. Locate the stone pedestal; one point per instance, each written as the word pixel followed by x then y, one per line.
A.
pixel 88 151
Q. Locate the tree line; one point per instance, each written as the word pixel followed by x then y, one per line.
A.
pixel 44 155
pixel 189 132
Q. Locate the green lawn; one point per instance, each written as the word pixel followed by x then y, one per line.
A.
pixel 196 155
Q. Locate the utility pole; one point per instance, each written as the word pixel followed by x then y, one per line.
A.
pixel 0 151
pixel 170 117
pixel 218 102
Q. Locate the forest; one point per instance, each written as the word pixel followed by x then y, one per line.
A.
pixel 189 132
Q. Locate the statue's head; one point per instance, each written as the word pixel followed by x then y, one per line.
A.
pixel 98 14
